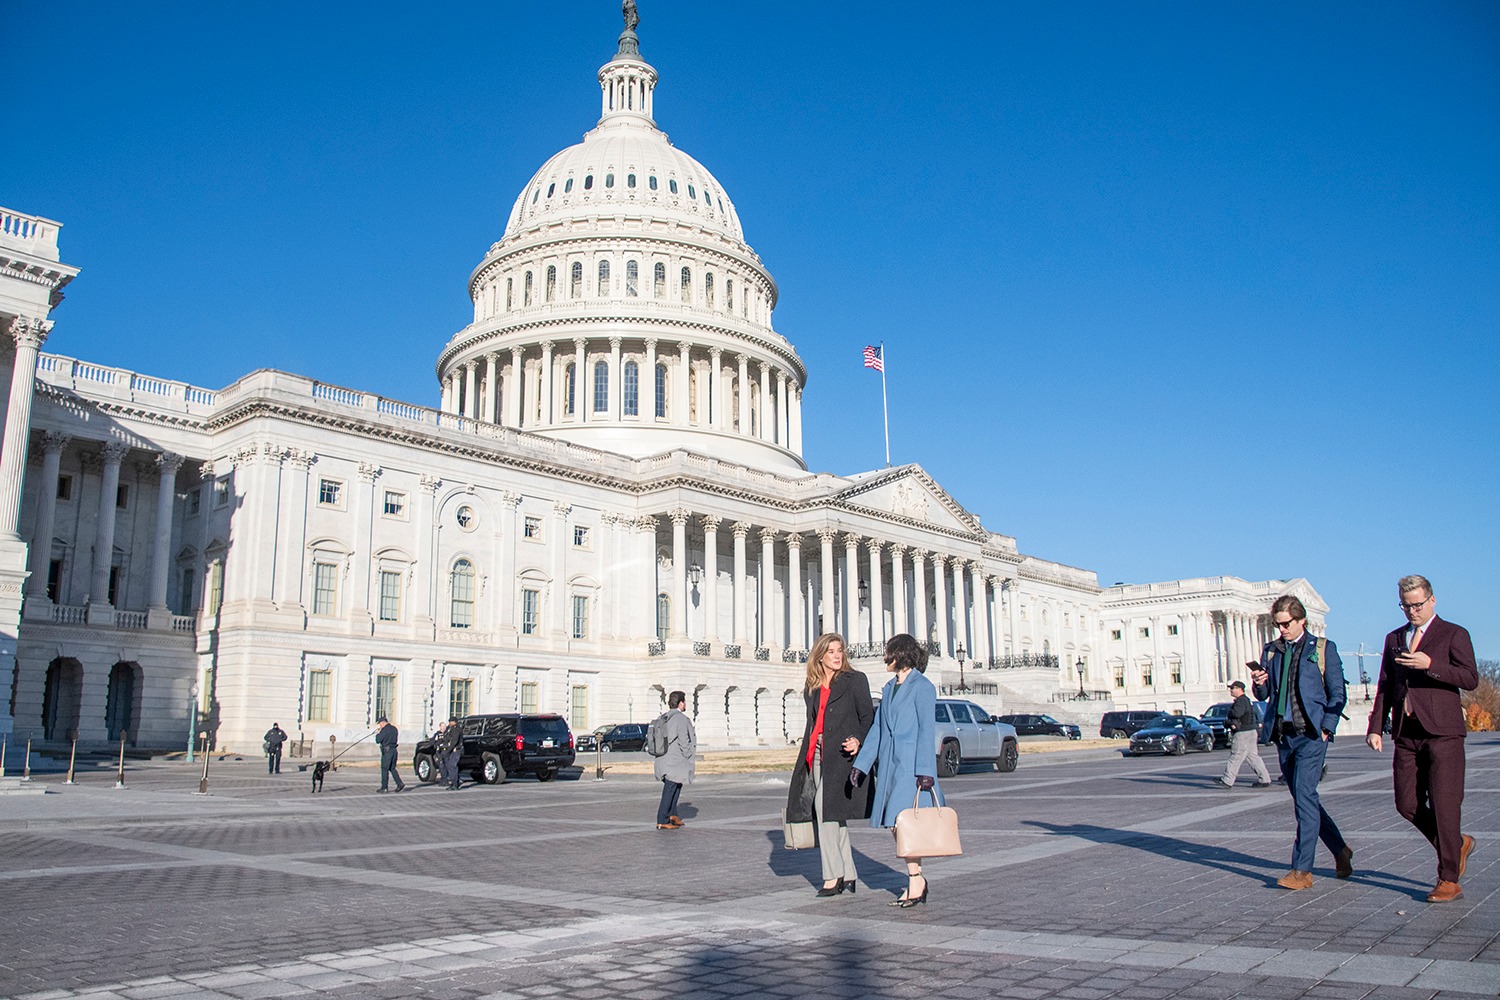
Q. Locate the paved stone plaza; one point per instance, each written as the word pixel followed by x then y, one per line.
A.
pixel 1087 875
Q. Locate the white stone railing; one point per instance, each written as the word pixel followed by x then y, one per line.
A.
pixel 30 233
pixel 130 619
pixel 69 614
pixel 118 383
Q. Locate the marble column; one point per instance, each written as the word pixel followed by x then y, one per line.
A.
pixel 781 411
pixel 899 619
pixel 471 390
pixel 763 427
pixel 826 622
pixel 364 538
pixel 980 617
pixel 53 446
pixel 104 537
pixel 425 525
pixel 514 396
pixel 961 632
pixel 940 596
pixel 743 597
pixel 679 517
pixel 921 625
pixel 681 407
pixel 711 524
pixel 849 605
pixel 795 600
pixel 875 548
pixel 767 579
pixel 28 335
pixel 796 420
pixel 648 384
pixel 616 381
pixel 292 543
pixel 491 387
pixel 742 383
pixel 167 465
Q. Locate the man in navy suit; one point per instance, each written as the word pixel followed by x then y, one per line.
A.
pixel 1301 680
pixel 1423 667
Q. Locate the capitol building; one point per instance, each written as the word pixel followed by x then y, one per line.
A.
pixel 604 500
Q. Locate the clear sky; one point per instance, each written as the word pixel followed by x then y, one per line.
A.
pixel 1167 289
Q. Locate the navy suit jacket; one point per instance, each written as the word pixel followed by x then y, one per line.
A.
pixel 1323 691
pixel 1431 695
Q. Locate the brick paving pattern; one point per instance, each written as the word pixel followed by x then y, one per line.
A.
pixel 1087 875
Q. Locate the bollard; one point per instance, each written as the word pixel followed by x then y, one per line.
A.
pixel 3 738
pixel 203 783
pixel 26 764
pixel 72 759
pixel 333 757
pixel 120 778
pixel 599 762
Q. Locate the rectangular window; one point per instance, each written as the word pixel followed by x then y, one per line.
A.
pixel 528 698
pixel 319 695
pixel 632 390
pixel 580 536
pixel 460 697
pixel 390 596
pixel 122 495
pixel 580 616
pixel 1171 630
pixel 395 504
pixel 531 611
pixel 1120 677
pixel 661 390
pixel 385 697
pixel 1176 673
pixel 1116 634
pixel 194 501
pixel 461 607
pixel 1146 676
pixel 601 387
pixel 221 493
pixel 186 598
pixel 215 586
pixel 663 617
pixel 325 588
pixel 532 528
pixel 64 487
pixel 580 719
pixel 329 492
pixel 54 579
pixel 114 585
pixel 1143 633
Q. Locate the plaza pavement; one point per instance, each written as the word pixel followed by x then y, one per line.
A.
pixel 1087 875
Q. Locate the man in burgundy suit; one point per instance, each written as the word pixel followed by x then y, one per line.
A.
pixel 1422 669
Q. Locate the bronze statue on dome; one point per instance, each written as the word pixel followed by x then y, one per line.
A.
pixel 631 17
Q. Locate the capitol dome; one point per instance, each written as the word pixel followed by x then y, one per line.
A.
pixel 622 309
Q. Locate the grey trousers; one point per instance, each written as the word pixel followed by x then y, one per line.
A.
pixel 833 836
pixel 1245 749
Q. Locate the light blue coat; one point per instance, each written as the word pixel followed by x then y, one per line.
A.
pixel 903 743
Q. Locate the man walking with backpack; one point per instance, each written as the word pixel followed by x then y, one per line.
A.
pixel 673 742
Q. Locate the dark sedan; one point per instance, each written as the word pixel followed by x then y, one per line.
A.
pixel 625 736
pixel 1041 725
pixel 1173 734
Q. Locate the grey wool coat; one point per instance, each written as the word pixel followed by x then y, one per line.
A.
pixel 678 764
pixel 849 713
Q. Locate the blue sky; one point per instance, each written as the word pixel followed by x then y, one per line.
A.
pixel 1167 289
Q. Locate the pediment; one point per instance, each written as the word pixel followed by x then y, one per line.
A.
pixel 909 493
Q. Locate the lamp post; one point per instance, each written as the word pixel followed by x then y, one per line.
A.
pixel 192 721
pixel 203 782
pixel 959 652
pixel 1079 667
pixel 1364 678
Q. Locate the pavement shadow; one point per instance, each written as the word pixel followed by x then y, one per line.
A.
pixel 807 863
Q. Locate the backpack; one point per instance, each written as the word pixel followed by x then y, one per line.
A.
pixel 656 736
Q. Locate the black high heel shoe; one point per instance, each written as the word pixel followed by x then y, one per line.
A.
pixel 832 890
pixel 850 886
pixel 907 902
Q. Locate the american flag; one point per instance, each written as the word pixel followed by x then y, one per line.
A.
pixel 873 358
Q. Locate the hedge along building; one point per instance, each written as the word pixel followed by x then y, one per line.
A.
pixel 608 503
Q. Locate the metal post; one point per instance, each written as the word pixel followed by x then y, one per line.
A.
pixel 203 784
pixel 120 778
pixel 4 738
pixel 599 761
pixel 26 764
pixel 192 721
pixel 333 757
pixel 72 758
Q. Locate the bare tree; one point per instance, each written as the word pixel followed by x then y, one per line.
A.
pixel 1482 705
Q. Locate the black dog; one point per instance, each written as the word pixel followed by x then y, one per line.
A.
pixel 319 769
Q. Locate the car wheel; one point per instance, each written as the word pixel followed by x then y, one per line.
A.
pixel 546 774
pixel 425 769
pixel 1009 754
pixel 604 748
pixel 949 760
pixel 1118 734
pixel 1179 747
pixel 491 771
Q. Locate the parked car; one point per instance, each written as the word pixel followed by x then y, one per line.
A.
pixel 1173 734
pixel 968 734
pixel 1040 725
pixel 624 736
pixel 503 745
pixel 1119 725
pixel 1220 714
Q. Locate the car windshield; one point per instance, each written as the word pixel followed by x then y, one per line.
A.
pixel 1217 711
pixel 1047 719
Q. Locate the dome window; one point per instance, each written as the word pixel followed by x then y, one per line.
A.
pixel 661 390
pixel 551 288
pixel 526 294
pixel 651 182
pixel 632 393
pixel 570 390
pixel 687 285
pixel 721 205
pixel 630 181
pixel 672 185
pixel 575 281
pixel 659 281
pixel 691 192
pixel 536 196
pixel 567 185
pixel 609 180
pixel 601 386
pixel 603 278
pixel 706 199
pixel 708 290
pixel 550 188
pixel 632 279
pixel 588 182
pixel 729 295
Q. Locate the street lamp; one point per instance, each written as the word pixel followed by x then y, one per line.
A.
pixel 959 652
pixel 1079 667
pixel 192 720
pixel 1364 678
pixel 864 593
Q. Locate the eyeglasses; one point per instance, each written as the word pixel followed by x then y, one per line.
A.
pixel 1418 604
pixel 1286 624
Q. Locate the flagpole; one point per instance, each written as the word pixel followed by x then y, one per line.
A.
pixel 885 407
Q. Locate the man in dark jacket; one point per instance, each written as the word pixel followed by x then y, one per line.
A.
pixel 1301 679
pixel 450 744
pixel 1424 666
pixel 387 735
pixel 275 736
pixel 1242 724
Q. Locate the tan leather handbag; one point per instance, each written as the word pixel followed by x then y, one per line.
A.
pixel 796 836
pixel 930 832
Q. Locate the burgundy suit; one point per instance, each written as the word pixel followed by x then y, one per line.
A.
pixel 1427 722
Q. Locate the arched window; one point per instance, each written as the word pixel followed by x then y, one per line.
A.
pixel 550 189
pixel 672 185
pixel 575 281
pixel 661 390
pixel 526 296
pixel 651 182
pixel 588 182
pixel 663 617
pixel 659 281
pixel 687 285
pixel 632 279
pixel 630 181
pixel 510 291
pixel 551 282
pixel 632 398
pixel 603 278
pixel 691 192
pixel 601 386
pixel 570 389
pixel 609 180
pixel 708 290
pixel 567 185
pixel 461 605
pixel 729 295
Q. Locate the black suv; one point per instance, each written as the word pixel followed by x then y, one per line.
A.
pixel 625 736
pixel 1119 725
pixel 500 746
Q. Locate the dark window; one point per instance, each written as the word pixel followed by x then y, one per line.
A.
pixel 609 180
pixel 567 185
pixel 54 579
pixel 550 189
pixel 122 495
pixel 672 185
pixel 651 182
pixel 588 183
pixel 630 180
pixel 64 487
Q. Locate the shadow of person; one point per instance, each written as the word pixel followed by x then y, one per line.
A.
pixel 807 862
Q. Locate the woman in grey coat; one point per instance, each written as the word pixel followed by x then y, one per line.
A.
pixel 839 712
pixel 676 767
pixel 902 742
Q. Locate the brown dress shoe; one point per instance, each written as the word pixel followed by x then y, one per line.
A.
pixel 1296 880
pixel 667 826
pixel 1343 862
pixel 1463 855
pixel 676 821
pixel 1445 892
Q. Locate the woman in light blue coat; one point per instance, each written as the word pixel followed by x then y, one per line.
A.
pixel 902 742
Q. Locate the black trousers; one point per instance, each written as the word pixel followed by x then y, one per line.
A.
pixel 388 769
pixel 670 792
